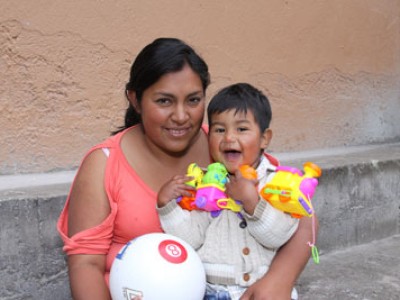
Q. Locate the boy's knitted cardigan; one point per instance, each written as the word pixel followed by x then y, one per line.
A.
pixel 232 255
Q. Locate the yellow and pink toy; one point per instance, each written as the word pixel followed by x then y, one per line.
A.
pixel 291 191
pixel 210 190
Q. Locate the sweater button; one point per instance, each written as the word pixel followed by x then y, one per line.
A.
pixel 243 224
pixel 246 277
pixel 246 251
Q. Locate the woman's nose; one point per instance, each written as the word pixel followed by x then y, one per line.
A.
pixel 180 114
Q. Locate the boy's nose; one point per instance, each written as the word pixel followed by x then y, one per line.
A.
pixel 230 136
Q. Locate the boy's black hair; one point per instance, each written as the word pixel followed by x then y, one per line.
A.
pixel 242 97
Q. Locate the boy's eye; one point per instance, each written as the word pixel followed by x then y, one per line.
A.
pixel 219 130
pixel 241 129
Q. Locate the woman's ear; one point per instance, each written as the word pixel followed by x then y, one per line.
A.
pixel 266 138
pixel 131 95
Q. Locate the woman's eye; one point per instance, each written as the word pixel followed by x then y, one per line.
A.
pixel 163 101
pixel 194 100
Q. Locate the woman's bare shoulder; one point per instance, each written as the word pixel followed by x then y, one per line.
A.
pixel 89 204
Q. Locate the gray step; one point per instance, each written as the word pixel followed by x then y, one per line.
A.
pixel 356 201
pixel 366 272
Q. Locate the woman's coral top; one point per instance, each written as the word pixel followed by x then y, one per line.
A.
pixel 132 203
pixel 133 209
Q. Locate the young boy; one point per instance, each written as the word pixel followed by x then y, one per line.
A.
pixel 236 248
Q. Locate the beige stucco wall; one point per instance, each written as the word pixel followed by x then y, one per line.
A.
pixel 330 68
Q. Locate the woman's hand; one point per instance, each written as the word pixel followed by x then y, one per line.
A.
pixel 266 289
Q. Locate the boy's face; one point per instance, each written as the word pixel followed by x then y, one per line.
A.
pixel 236 139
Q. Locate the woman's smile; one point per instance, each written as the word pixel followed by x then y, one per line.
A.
pixel 178 132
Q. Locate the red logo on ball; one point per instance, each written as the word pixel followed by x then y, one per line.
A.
pixel 172 251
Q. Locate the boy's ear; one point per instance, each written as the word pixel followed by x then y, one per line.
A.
pixel 266 138
pixel 131 95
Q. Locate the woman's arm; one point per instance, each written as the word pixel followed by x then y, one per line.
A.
pixel 86 277
pixel 286 267
pixel 88 207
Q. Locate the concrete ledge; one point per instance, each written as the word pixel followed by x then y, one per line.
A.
pixel 32 264
pixel 28 181
pixel 357 197
pixel 356 201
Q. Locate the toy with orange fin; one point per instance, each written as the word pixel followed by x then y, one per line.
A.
pixel 291 191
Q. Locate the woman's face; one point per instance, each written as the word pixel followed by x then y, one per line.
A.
pixel 172 111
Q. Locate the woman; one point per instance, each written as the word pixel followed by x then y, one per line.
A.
pixel 113 197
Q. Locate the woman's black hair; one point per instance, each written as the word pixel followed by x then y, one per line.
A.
pixel 242 97
pixel 162 56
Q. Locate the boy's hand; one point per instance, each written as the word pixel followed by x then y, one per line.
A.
pixel 173 189
pixel 243 190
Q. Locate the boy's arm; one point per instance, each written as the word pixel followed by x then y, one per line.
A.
pixel 174 219
pixel 286 266
pixel 187 225
pixel 270 227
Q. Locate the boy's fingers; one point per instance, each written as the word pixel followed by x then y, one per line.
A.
pixel 186 193
pixel 190 188
pixel 189 178
pixel 238 174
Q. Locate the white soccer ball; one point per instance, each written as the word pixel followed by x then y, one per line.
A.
pixel 157 266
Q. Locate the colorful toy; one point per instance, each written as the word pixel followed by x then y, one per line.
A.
pixel 157 266
pixel 210 193
pixel 291 191
pixel 197 173
pixel 210 190
pixel 248 172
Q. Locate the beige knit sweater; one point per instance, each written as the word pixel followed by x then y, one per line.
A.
pixel 232 255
